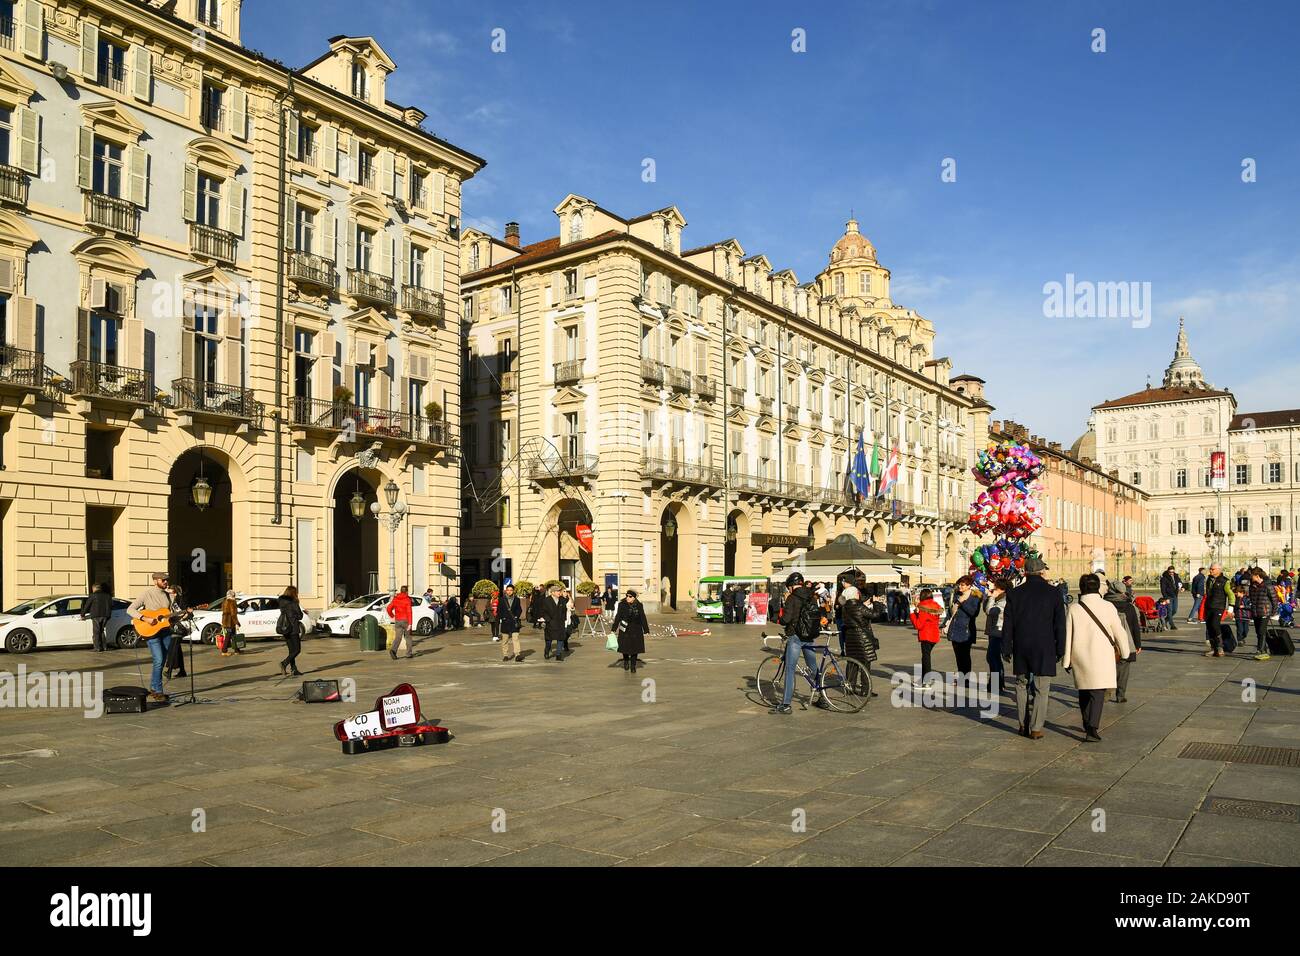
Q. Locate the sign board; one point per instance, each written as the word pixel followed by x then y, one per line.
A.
pixel 398 710
pixel 611 579
pixel 363 725
pixel 908 549
pixel 583 531
pixel 756 607
pixel 781 540
pixel 439 557
pixel 1218 470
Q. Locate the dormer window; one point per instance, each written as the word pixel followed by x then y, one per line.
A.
pixel 360 82
pixel 208 12
pixel 575 227
pixel 473 257
pixel 668 237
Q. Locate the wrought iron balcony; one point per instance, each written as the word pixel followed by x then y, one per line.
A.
pixel 424 302
pixel 211 243
pixel 213 118
pixel 311 270
pixel 211 398
pixel 509 381
pixel 362 420
pixel 567 373
pixel 21 369
pixel 706 387
pixel 371 285
pixel 670 469
pixel 569 460
pixel 679 380
pixel 13 185
pixel 96 380
pixel 652 371
pixel 111 213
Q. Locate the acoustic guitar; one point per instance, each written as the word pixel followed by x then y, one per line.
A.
pixel 152 623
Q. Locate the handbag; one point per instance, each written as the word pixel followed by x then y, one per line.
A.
pixel 611 642
pixel 1118 656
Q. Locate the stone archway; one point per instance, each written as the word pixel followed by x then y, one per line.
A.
pixel 201 541
pixel 739 552
pixel 816 532
pixel 355 555
pixel 561 555
pixel 678 556
pixel 878 536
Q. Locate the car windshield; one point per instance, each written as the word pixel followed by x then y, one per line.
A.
pixel 27 607
pixel 364 601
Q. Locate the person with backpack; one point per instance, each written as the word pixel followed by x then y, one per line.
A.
pixel 801 617
pixel 960 628
pixel 1261 598
pixel 289 626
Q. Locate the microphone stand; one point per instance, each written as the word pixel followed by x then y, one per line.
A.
pixel 192 698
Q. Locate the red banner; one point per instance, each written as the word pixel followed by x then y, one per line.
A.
pixel 584 534
pixel 1218 470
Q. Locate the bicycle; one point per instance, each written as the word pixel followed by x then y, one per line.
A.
pixel 844 682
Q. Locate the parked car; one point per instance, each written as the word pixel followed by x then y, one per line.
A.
pixel 345 620
pixel 258 615
pixel 56 621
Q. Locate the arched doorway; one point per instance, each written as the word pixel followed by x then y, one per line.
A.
pixel 356 539
pixel 572 560
pixel 878 537
pixel 200 552
pixel 737 550
pixel 669 540
pixel 816 533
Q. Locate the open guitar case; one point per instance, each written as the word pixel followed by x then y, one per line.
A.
pixel 415 733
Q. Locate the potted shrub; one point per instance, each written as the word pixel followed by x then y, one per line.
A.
pixel 433 414
pixel 582 597
pixel 481 593
pixel 524 591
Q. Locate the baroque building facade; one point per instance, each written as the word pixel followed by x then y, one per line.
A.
pixel 229 296
pixel 1167 440
pixel 695 409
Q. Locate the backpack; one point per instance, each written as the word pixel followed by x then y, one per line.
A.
pixel 809 622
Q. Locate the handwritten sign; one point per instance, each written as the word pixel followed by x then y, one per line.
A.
pixel 363 725
pixel 398 710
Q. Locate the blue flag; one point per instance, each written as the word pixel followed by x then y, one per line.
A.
pixel 861 475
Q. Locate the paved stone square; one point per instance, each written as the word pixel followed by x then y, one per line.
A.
pixel 588 773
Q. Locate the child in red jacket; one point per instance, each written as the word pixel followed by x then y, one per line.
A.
pixel 926 621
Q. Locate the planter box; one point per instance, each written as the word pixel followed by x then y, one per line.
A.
pixel 581 602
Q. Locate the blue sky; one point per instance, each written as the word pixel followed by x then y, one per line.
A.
pixel 1122 166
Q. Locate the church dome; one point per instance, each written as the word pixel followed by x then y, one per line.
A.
pixel 852 245
pixel 1085 446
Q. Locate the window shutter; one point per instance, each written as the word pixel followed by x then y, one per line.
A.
pixel 291 222
pixel 234 207
pixel 190 200
pixel 557 288
pixel 98 293
pixel 141 73
pixel 83 335
pixel 352 243
pixel 582 339
pixel 354 159
pixel 233 367
pixel 33 23
pixel 85 155
pixel 701 358
pixel 323 368
pixel 133 332
pixel 6 277
pixel 329 248
pixel 330 149
pixel 405 399
pixel 89 50
pixel 406 261
pixel 232 325
pixel 557 344
pixel 437 189
pixel 187 339
pixel 385 254
pixel 24 322
pixel 291 134
pixel 434 275
pixel 239 113
pixel 386 171
pixel 137 161
pixel 29 154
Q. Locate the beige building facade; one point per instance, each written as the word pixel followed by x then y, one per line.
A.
pixel 1165 440
pixel 230 297
pixel 697 409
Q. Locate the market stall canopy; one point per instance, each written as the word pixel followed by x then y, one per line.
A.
pixel 846 552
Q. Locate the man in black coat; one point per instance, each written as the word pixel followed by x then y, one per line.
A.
pixel 1170 585
pixel 1215 599
pixel 1033 639
pixel 555 615
pixel 99 608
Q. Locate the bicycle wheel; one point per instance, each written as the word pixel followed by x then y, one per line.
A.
pixel 769 680
pixel 846 684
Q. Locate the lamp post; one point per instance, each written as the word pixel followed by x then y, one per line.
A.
pixel 396 513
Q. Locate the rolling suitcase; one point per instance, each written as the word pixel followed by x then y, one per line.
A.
pixel 1279 642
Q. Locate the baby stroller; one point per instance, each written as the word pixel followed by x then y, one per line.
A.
pixel 1146 607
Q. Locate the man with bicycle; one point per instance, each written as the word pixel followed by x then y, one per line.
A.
pixel 801 616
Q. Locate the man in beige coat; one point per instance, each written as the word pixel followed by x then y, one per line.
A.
pixel 1094 638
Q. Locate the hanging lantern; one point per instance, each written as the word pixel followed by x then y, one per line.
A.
pixel 357 505
pixel 390 492
pixel 731 531
pixel 201 493
pixel 670 527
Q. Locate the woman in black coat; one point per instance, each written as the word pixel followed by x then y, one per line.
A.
pixel 860 642
pixel 631 626
pixel 555 623
pixel 289 626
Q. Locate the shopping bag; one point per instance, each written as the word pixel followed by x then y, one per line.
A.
pixel 611 642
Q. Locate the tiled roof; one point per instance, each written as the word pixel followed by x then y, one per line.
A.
pixel 1154 396
pixel 1244 421
pixel 539 250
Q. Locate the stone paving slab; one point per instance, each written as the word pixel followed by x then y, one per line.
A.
pixel 568 765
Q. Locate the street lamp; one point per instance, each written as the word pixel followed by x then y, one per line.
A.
pixel 200 490
pixel 732 531
pixel 670 526
pixel 394 519
pixel 390 493
pixel 357 505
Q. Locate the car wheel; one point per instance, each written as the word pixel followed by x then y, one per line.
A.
pixel 424 628
pixel 20 641
pixel 209 634
pixel 355 629
pixel 127 637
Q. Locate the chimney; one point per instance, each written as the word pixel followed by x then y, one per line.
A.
pixel 512 234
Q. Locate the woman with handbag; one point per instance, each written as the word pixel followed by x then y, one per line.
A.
pixel 631 626
pixel 961 623
pixel 289 626
pixel 1095 640
pixel 229 626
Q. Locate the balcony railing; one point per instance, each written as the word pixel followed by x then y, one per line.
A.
pixel 230 401
pixel 956 515
pixel 652 371
pixel 706 388
pixel 509 381
pixel 422 301
pixel 419 197
pixel 96 380
pixel 212 243
pixel 311 270
pixel 366 177
pixel 213 118
pixel 7 32
pixel 679 380
pixel 371 285
pixel 367 421
pixel 111 213
pixel 309 155
pixel 566 373
pixel 765 405
pixel 572 292
pixel 570 462
pixel 13 185
pixel 20 368
pixel 694 473
pixel 736 396
pixel 111 76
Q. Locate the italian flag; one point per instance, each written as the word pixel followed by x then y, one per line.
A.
pixel 874 470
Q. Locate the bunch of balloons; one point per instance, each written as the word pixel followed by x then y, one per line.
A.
pixel 1007 509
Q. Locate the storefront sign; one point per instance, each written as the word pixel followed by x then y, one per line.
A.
pixel 439 557
pixel 781 540
pixel 912 550
pixel 583 531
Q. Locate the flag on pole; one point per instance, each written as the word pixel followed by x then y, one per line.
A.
pixel 861 477
pixel 875 466
pixel 890 476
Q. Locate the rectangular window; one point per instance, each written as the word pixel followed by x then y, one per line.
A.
pixel 1275 522
pixel 1243 523
pixel 112 66
pixel 415 397
pixel 208 12
pixel 570 283
pixel 365 248
pixel 103 339
pixel 305 230
pixel 6 127
pixel 366 168
pixel 1241 475
pixel 208 210
pixel 1274 472
pixel 206 342
pixel 107 168
pixel 307 144
pixel 362 378
pixel 505 299
pixel 303 361
pixel 1181 526
pixel 212 113
pixel 1211 525
pixel 417 267
pixel 1180 478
